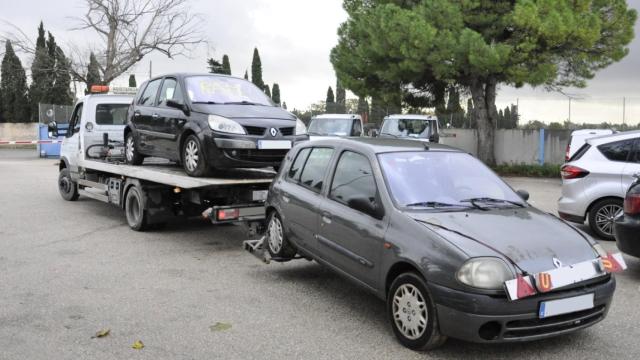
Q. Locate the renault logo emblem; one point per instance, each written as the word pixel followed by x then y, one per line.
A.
pixel 557 263
pixel 273 132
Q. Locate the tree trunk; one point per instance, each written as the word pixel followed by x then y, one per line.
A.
pixel 484 105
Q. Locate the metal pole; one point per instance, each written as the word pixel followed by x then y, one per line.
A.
pixel 624 108
pixel 569 109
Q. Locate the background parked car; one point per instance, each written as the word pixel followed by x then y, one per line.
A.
pixel 578 138
pixel 627 225
pixel 413 127
pixel 595 180
pixel 208 121
pixel 335 125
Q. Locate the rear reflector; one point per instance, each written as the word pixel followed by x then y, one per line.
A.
pixel 632 204
pixel 573 172
pixel 228 214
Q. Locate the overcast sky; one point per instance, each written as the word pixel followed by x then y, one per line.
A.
pixel 294 38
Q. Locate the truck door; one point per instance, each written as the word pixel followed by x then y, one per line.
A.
pixel 170 121
pixel 70 149
pixel 143 116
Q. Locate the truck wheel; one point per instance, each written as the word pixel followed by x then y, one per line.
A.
pixel 277 243
pixel 67 187
pixel 413 314
pixel 601 217
pixel 194 161
pixel 132 156
pixel 134 210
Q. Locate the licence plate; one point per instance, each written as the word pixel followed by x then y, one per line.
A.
pixel 260 195
pixel 565 306
pixel 274 144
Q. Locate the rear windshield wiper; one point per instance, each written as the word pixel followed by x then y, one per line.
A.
pixel 435 204
pixel 490 200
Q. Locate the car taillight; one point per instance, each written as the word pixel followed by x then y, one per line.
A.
pixel 573 172
pixel 632 204
pixel 566 154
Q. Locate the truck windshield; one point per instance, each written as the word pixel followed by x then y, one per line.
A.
pixel 416 128
pixel 443 180
pixel 224 90
pixel 331 127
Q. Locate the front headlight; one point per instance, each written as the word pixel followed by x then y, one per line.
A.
pixel 484 273
pixel 222 124
pixel 301 128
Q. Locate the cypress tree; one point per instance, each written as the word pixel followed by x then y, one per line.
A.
pixel 246 75
pixel 93 72
pixel 506 118
pixel 1 111
pixel 341 99
pixel 13 85
pixel 275 93
pixel 330 102
pixel 226 66
pixel 256 70
pixel 132 81
pixel 267 91
pixel 470 122
pixel 454 112
pixel 42 74
pixel 515 117
pixel 61 91
pixel 284 105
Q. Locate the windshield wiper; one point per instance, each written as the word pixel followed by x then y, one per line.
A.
pixel 243 102
pixel 435 204
pixel 490 200
pixel 395 136
pixel 315 133
pixel 204 102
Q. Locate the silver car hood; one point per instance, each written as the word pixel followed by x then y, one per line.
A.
pixel 528 236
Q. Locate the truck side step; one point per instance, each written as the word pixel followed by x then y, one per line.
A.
pixel 93 195
pixel 95 185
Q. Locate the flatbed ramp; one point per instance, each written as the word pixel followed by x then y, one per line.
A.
pixel 168 173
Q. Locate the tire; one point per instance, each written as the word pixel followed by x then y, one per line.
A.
pixel 193 157
pixel 408 297
pixel 131 154
pixel 137 217
pixel 277 243
pixel 68 188
pixel 601 217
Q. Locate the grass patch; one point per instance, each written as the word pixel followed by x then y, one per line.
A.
pixel 541 171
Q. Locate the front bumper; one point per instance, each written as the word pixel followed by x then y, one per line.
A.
pixel 493 319
pixel 627 234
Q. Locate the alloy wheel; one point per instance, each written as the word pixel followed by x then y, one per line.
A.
pixel 606 216
pixel 276 236
pixel 410 311
pixel 191 157
pixel 130 148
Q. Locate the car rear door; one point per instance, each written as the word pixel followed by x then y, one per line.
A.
pixel 143 116
pixel 618 153
pixel 170 121
pixel 348 238
pixel 632 166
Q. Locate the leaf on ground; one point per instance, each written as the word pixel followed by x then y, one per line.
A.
pixel 137 345
pixel 102 333
pixel 220 326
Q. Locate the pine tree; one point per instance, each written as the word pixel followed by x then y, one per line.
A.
pixel 454 112
pixel 132 81
pixel 363 109
pixel 267 91
pixel 341 101
pixel 246 75
pixel 330 102
pixel 256 70
pixel 275 94
pixel 93 72
pixel 226 65
pixel 506 119
pixel 61 91
pixel 42 74
pixel 13 85
pixel 215 67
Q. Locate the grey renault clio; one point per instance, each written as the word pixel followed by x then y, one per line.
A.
pixel 451 248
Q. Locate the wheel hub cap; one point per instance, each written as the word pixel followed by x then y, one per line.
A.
pixel 410 311
pixel 130 148
pixel 191 155
pixel 605 217
pixel 275 235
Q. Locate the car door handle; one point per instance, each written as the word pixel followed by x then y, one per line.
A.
pixel 285 197
pixel 155 116
pixel 181 122
pixel 326 218
pixel 136 113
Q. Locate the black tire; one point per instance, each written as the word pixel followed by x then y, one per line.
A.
pixel 193 157
pixel 68 188
pixel 131 154
pixel 601 217
pixel 137 217
pixel 416 336
pixel 276 240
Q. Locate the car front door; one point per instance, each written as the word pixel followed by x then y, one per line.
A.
pixel 632 167
pixel 170 121
pixel 143 117
pixel 350 238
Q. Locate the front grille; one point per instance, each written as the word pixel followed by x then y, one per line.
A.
pixel 286 131
pixel 263 156
pixel 254 130
pixel 535 327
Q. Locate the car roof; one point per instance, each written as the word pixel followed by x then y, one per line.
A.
pixel 337 116
pixel 598 140
pixel 592 132
pixel 186 74
pixel 384 145
pixel 412 117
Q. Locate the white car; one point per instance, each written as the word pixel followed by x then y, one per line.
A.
pixel 596 178
pixel 334 125
pixel 578 137
pixel 413 127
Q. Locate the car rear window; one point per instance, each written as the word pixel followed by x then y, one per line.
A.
pixel 617 151
pixel 583 150
pixel 316 168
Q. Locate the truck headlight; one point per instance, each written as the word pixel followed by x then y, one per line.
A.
pixel 301 128
pixel 484 273
pixel 222 124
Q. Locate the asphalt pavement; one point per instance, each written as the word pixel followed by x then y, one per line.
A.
pixel 71 269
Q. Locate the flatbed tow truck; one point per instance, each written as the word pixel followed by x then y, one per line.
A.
pixel 92 165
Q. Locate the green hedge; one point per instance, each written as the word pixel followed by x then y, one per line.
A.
pixel 546 170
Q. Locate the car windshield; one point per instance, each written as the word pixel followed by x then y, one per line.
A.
pixel 444 180
pixel 224 90
pixel 416 128
pixel 330 127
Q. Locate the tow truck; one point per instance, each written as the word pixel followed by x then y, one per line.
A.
pixel 92 165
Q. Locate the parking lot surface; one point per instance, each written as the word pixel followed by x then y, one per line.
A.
pixel 68 270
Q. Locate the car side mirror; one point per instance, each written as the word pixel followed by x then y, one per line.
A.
pixel 524 194
pixel 53 130
pixel 366 206
pixel 177 104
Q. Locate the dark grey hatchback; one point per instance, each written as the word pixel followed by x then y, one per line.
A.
pixel 452 249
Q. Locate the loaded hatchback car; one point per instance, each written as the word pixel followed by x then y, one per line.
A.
pixel 208 122
pixel 452 248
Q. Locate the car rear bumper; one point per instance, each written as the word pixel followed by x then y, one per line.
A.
pixel 491 319
pixel 572 210
pixel 627 234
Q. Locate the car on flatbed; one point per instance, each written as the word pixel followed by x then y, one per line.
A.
pixel 208 122
pixel 453 250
